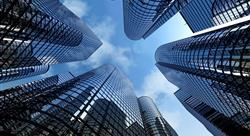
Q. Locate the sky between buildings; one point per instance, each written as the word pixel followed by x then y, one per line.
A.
pixel 134 58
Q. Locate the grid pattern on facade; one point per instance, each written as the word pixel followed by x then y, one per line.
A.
pixel 99 102
pixel 139 15
pixel 154 123
pixel 16 73
pixel 211 118
pixel 31 36
pixel 216 68
pixel 198 14
pixel 203 14
pixel 221 102
pixel 228 10
pixel 168 13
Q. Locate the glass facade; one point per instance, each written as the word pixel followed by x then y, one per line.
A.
pixel 203 14
pixel 228 10
pixel 40 32
pixel 140 15
pixel 198 14
pixel 154 123
pixel 173 9
pixel 213 67
pixel 99 102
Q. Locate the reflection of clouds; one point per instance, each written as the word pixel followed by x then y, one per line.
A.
pixel 79 7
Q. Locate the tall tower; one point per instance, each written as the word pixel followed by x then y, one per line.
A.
pixel 37 33
pixel 140 15
pixel 212 68
pixel 154 123
pixel 99 102
pixel 143 17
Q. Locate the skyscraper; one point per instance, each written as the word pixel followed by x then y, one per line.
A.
pixel 142 18
pixel 169 12
pixel 212 71
pixel 38 33
pixel 229 10
pixel 140 15
pixel 99 102
pixel 154 123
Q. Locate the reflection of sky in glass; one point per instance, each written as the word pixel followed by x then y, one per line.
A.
pixel 101 16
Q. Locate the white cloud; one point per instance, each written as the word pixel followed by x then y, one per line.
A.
pixel 155 83
pixel 79 7
pixel 108 52
pixel 156 86
pixel 104 29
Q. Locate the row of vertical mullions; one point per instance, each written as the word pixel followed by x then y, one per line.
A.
pixel 213 42
pixel 109 98
pixel 104 95
pixel 60 53
pixel 221 60
pixel 40 20
pixel 214 60
pixel 202 59
pixel 28 34
pixel 10 28
pixel 53 95
pixel 147 10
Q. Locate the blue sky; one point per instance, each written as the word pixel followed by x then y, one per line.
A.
pixel 135 58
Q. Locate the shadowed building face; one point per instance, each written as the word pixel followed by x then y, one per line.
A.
pixel 99 102
pixel 213 68
pixel 38 33
pixel 143 17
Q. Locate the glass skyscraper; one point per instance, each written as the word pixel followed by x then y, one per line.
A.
pixel 143 17
pixel 140 15
pixel 198 14
pixel 169 12
pixel 37 33
pixel 153 121
pixel 99 102
pixel 228 10
pixel 212 71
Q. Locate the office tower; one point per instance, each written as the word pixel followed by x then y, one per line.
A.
pixel 229 10
pixel 37 33
pixel 210 117
pixel 154 123
pixel 198 14
pixel 140 15
pixel 212 70
pixel 169 12
pixel 99 102
pixel 204 14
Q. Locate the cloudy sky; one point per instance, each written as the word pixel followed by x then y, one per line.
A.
pixel 135 58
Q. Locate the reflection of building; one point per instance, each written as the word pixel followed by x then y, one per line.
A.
pixel 99 102
pixel 135 129
pixel 38 33
pixel 212 71
pixel 106 118
pixel 154 123
pixel 143 17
